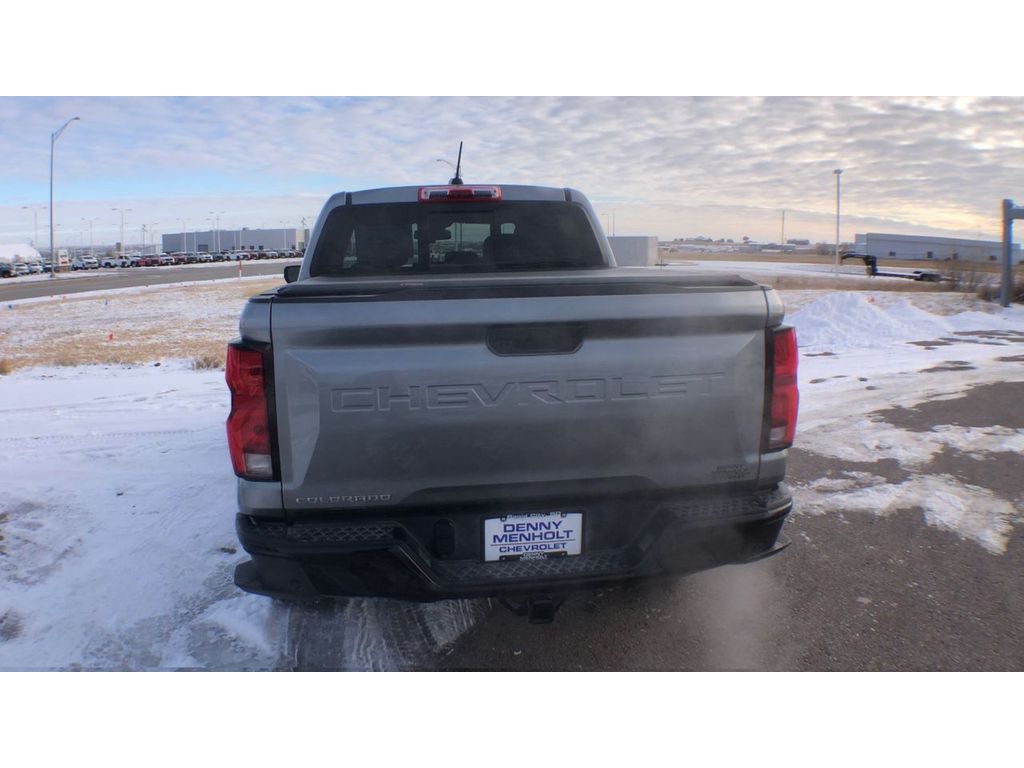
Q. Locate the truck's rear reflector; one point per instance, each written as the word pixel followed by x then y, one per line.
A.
pixel 459 194
pixel 248 424
pixel 785 397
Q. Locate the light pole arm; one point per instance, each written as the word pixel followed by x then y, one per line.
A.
pixel 56 134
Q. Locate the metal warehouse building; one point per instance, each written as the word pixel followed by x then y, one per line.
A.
pixel 213 241
pixel 885 246
pixel 634 251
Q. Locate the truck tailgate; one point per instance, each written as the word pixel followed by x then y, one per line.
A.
pixel 441 399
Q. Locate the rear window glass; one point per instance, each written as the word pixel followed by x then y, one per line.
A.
pixel 405 238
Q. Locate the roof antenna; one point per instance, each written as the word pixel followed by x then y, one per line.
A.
pixel 456 179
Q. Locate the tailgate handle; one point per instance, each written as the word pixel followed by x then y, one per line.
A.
pixel 536 338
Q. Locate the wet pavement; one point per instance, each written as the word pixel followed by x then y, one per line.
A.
pixel 857 590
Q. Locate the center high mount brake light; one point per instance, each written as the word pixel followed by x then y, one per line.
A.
pixel 459 194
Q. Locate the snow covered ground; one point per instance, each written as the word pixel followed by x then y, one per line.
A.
pixel 856 361
pixel 118 542
pixel 117 504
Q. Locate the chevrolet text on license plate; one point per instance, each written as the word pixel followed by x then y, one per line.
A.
pixel 533 535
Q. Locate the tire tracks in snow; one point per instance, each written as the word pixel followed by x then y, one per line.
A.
pixel 370 634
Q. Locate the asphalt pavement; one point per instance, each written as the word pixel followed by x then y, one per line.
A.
pixel 109 279
pixel 853 592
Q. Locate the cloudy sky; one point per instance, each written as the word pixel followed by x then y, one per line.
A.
pixel 671 167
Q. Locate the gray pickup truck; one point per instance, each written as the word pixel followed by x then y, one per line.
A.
pixel 459 394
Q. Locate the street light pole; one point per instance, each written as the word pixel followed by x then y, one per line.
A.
pixel 123 212
pixel 306 221
pixel 838 172
pixel 152 237
pixel 216 215
pixel 35 222
pixel 53 140
pixel 91 253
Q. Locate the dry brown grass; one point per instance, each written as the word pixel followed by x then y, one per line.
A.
pixel 207 362
pixel 5 366
pixel 134 329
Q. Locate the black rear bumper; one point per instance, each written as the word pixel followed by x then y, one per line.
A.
pixel 435 554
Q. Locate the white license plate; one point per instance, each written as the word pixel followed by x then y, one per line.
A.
pixel 533 535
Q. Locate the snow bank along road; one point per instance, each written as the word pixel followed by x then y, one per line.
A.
pixel 117 504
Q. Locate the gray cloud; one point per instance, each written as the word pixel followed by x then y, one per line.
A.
pixel 677 164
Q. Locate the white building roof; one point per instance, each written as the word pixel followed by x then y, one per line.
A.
pixel 18 252
pixel 954 241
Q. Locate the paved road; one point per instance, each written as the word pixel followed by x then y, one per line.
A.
pixel 108 279
pixel 855 591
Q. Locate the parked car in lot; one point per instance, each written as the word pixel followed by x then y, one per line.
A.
pixel 21 268
pixel 35 267
pixel 84 262
pixel 204 258
pixel 6 270
pixel 165 260
pixel 113 262
pixel 179 257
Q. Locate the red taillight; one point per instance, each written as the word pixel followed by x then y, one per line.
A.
pixel 785 397
pixel 248 424
pixel 459 194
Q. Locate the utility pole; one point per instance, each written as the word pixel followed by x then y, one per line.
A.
pixel 782 237
pixel 1010 212
pixel 838 172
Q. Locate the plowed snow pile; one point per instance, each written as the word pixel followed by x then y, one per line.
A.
pixel 863 354
pixel 852 320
